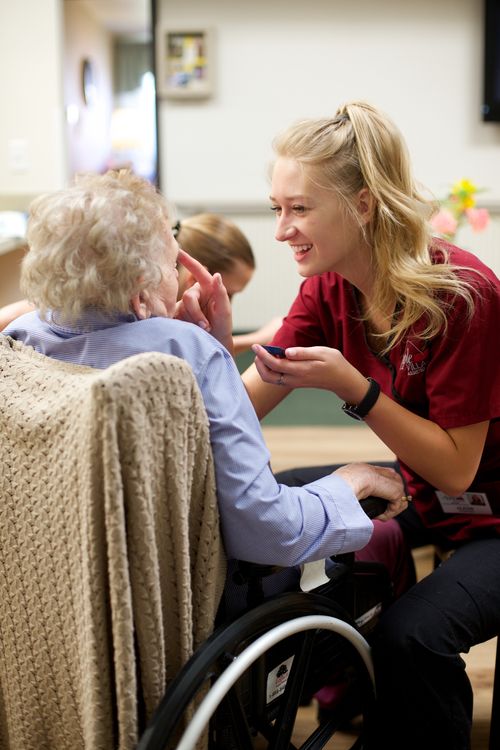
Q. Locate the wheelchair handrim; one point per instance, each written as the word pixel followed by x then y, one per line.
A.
pixel 244 660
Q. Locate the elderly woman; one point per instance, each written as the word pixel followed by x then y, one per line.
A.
pixel 102 273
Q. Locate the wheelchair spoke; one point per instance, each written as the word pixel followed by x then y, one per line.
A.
pixel 232 709
pixel 259 708
pixel 320 736
pixel 326 730
pixel 285 721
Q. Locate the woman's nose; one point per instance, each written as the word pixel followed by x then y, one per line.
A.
pixel 284 231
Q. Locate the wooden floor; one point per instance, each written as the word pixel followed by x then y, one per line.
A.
pixel 307 446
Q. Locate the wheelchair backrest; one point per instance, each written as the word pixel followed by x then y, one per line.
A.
pixel 111 561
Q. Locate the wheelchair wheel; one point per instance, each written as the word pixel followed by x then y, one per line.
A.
pixel 247 681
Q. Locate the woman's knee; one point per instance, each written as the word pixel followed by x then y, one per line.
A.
pixel 413 625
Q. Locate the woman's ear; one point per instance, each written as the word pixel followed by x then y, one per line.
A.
pixel 365 205
pixel 139 307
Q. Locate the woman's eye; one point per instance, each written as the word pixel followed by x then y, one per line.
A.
pixel 275 209
pixel 299 209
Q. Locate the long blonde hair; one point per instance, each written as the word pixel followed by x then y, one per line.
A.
pixel 362 148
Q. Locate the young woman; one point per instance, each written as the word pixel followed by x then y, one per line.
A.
pixel 403 327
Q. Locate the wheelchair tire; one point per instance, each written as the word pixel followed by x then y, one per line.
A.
pixel 245 713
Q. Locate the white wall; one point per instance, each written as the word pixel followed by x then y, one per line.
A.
pixel 419 60
pixel 32 153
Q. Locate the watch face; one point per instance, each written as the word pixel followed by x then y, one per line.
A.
pixel 359 411
pixel 351 411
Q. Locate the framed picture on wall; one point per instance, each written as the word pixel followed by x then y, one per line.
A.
pixel 185 65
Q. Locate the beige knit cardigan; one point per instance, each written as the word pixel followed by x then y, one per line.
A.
pixel 111 563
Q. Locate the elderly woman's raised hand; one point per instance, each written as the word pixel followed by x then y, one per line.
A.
pixel 206 303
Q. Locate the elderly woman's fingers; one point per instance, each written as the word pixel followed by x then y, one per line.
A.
pixel 200 273
pixel 190 308
pixel 208 306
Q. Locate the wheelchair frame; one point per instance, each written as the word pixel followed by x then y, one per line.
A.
pixel 240 651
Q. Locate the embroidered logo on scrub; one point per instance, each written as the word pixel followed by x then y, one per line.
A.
pixel 414 359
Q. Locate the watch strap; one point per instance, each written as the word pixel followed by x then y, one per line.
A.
pixel 360 411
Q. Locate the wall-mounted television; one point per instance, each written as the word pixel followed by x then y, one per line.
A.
pixel 490 107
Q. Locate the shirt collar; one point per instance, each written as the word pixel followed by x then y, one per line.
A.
pixel 91 319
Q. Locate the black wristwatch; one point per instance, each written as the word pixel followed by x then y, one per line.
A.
pixel 359 411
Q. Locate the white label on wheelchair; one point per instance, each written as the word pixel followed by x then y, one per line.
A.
pixel 369 615
pixel 277 678
pixel 475 503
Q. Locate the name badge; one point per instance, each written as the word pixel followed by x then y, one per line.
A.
pixel 472 503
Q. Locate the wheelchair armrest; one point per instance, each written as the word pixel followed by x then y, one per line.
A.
pixel 373 506
pixel 249 571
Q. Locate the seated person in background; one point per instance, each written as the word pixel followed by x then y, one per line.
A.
pixel 101 271
pixel 222 248
pixel 218 245
pixel 10 312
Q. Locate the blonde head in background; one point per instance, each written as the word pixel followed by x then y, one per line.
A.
pixel 220 246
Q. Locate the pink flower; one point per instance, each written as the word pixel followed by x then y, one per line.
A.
pixel 478 218
pixel 444 222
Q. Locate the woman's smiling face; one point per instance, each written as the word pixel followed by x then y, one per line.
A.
pixel 311 219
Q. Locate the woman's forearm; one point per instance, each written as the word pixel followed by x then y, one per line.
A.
pixel 263 335
pixel 263 396
pixel 447 459
pixel 13 311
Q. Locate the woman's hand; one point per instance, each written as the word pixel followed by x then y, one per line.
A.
pixel 206 303
pixel 379 481
pixel 312 367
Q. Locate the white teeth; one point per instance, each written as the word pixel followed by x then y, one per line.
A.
pixel 301 248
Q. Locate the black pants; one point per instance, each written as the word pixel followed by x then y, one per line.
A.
pixel 423 693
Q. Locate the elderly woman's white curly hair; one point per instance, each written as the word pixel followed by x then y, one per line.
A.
pixel 96 243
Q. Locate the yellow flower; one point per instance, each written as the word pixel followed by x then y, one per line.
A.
pixel 463 193
pixel 463 187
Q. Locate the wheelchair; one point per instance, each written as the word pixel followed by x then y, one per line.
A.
pixel 243 688
pixel 104 592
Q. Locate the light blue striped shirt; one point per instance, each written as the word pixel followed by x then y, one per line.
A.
pixel 262 521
